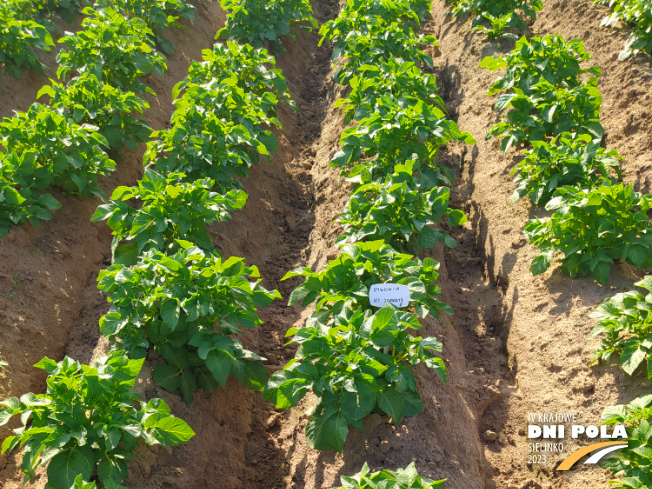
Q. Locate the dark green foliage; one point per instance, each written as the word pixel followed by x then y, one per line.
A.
pixel 86 423
pixel 592 228
pixel 185 306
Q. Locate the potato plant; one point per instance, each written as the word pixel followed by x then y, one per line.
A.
pixel 631 465
pixel 19 36
pixel 494 7
pixel 169 208
pixel 19 205
pixel 636 13
pixel 567 160
pixel 500 14
pixel 87 425
pixel 545 95
pixel 359 364
pixel 355 358
pixel 592 228
pixel 88 100
pixel 626 323
pixel 549 111
pixel 259 21
pixel 407 478
pixel 549 58
pixel 393 129
pixel 116 49
pixel 391 76
pixel 224 109
pixel 45 149
pixel 345 282
pixel 388 41
pixel 158 14
pixel 362 22
pixel 185 306
pixel 399 211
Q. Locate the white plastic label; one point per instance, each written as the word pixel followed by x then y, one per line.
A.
pixel 397 295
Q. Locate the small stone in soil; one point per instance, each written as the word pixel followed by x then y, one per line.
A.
pixel 490 435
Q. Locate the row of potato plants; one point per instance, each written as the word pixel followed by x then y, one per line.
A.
pixel 69 142
pixel 494 16
pixel 86 425
pixel 169 293
pixel 169 289
pixel 355 358
pixel 596 219
pixel 25 25
pixel 625 320
pixel 51 144
pixel 553 105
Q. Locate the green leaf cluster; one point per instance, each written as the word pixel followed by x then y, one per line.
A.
pixel 88 100
pixel 344 283
pixel 544 92
pixel 632 465
pixel 86 424
pixel 494 7
pixel 497 25
pixel 43 149
pixel 68 9
pixel 157 14
pixel 569 159
pixel 224 109
pixel 169 208
pixel 374 36
pixel 636 13
pixel 355 358
pixel 500 14
pixel 550 58
pixel 116 49
pixel 549 111
pixel 407 478
pixel 400 211
pixel 592 228
pixel 626 322
pixel 257 22
pixel 185 306
pixel 19 36
pixel 359 364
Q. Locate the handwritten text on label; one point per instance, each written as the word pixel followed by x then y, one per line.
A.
pixel 395 294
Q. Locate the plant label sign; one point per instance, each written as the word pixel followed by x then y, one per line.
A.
pixel 395 294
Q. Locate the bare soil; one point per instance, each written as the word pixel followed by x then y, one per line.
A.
pixel 517 344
